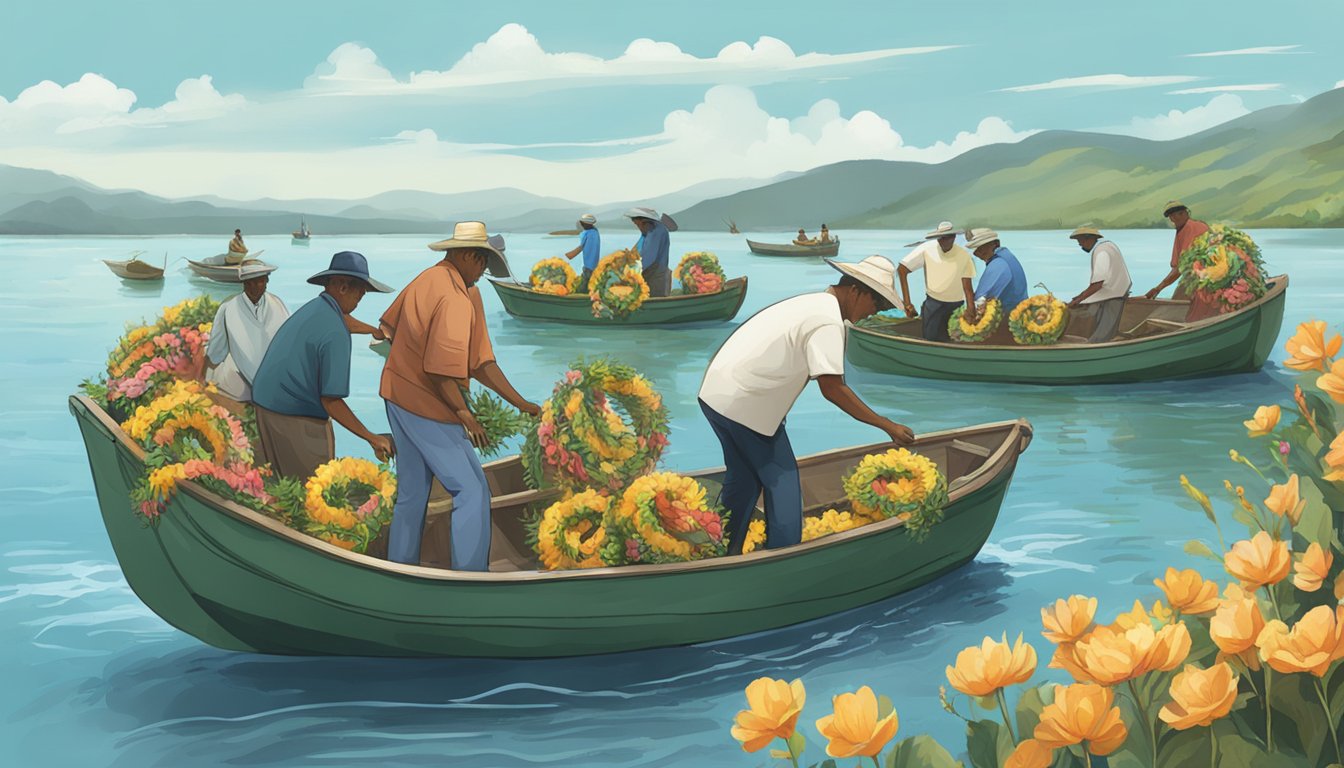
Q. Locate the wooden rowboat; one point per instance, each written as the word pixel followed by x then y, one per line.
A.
pixel 771 249
pixel 238 580
pixel 521 301
pixel 1154 344
pixel 135 269
pixel 214 268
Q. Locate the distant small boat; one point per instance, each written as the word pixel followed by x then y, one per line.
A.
pixel 135 269
pixel 302 234
pixel 732 227
pixel 771 249
pixel 215 268
pixel 563 233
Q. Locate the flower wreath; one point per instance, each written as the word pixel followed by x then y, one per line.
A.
pixel 617 286
pixel 898 483
pixel 571 532
pixel 1038 320
pixel 990 319
pixel 831 521
pixel 663 518
pixel 348 501
pixel 1226 263
pixel 699 272
pixel 554 276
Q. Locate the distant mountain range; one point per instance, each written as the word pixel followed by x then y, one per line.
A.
pixel 1278 167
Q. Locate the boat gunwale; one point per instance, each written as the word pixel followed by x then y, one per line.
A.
pixel 731 284
pixel 1018 437
pixel 791 249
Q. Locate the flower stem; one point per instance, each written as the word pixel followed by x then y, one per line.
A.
pixel 789 748
pixel 1148 727
pixel 1213 748
pixel 1334 729
pixel 1269 711
pixel 1087 755
pixel 1274 600
pixel 1003 708
pixel 875 763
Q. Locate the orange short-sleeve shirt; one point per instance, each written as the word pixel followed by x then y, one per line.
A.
pixel 437 325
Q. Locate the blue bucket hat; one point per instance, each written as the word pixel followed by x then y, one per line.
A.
pixel 350 264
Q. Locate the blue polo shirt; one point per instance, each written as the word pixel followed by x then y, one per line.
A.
pixel 1003 279
pixel 654 246
pixel 308 359
pixel 591 242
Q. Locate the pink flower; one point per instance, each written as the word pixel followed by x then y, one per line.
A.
pixel 1284 448
pixel 573 377
pixel 151 509
pixel 163 436
pixel 632 550
pixel 368 507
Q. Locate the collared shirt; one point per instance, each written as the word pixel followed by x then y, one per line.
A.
pixel 1185 237
pixel 1004 279
pixel 943 270
pixel 654 246
pixel 241 333
pixel 1108 268
pixel 762 368
pixel 591 242
pixel 308 359
pixel 437 325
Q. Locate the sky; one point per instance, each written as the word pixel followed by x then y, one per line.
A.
pixel 599 102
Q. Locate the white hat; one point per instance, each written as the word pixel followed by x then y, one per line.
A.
pixel 254 269
pixel 641 213
pixel 978 237
pixel 876 272
pixel 944 229
pixel 587 218
pixel 472 234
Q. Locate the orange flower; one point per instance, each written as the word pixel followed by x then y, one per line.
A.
pixel 1200 696
pixel 1109 655
pixel 1066 658
pixel 984 669
pixel 1308 349
pixel 1334 459
pixel 1236 625
pixel 1265 420
pixel 1170 647
pixel 1313 568
pixel 1332 383
pixel 1312 645
pixel 1188 592
pixel 1259 561
pixel 773 714
pixel 1068 620
pixel 1285 500
pixel 1082 714
pixel 1030 754
pixel 1140 615
pixel 855 730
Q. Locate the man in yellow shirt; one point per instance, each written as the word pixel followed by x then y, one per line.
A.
pixel 948 272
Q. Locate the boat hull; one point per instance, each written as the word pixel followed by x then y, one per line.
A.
pixel 215 269
pixel 134 270
pixel 520 301
pixel 1238 343
pixel 298 241
pixel 771 249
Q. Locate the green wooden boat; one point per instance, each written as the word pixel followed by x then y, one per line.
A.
pixel 240 581
pixel 1154 345
pixel 789 249
pixel 521 301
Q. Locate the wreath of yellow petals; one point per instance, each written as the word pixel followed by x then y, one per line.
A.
pixel 898 483
pixel 554 276
pixel 699 272
pixel 662 518
pixel 990 318
pixel 571 532
pixel 829 522
pixel 181 393
pixel 348 501
pixel 617 286
pixel 1038 320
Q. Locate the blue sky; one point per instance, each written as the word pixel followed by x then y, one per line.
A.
pixel 293 99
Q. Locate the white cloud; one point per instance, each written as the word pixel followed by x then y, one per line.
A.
pixel 1228 88
pixel 194 99
pixel 1339 84
pixel 48 101
pixel 93 102
pixel 351 65
pixel 1102 81
pixel 1175 124
pixel 1263 50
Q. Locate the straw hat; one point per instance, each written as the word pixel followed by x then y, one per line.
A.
pixel 587 218
pixel 472 234
pixel 1084 232
pixel 876 272
pixel 641 213
pixel 254 269
pixel 1173 206
pixel 979 237
pixel 944 229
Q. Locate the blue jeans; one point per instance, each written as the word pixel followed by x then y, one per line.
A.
pixel 429 449
pixel 754 463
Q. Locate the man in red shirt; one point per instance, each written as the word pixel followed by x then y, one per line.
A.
pixel 1187 229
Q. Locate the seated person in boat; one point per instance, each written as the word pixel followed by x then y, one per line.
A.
pixel 1003 279
pixel 237 250
pixel 1187 229
pixel 948 272
pixel 803 239
pixel 439 342
pixel 590 245
pixel 304 378
pixel 754 378
pixel 825 236
pixel 1104 298
pixel 242 331
pixel 654 246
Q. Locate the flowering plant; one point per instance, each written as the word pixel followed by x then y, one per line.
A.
pixel 990 319
pixel 898 483
pixel 1224 264
pixel 617 286
pixel 499 420
pixel 148 358
pixel 662 518
pixel 1038 320
pixel 348 501
pixel 572 531
pixel 554 276
pixel 828 522
pixel 699 272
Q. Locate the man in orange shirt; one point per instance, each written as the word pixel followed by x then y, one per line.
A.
pixel 439 343
pixel 1187 229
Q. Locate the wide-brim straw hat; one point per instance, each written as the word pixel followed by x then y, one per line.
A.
pixel 587 218
pixel 472 234
pixel 350 264
pixel 944 229
pixel 251 270
pixel 1084 232
pixel 979 237
pixel 1173 206
pixel 876 272
pixel 640 212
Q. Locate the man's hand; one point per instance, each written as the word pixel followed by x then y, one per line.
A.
pixel 379 335
pixel 1075 302
pixel 971 315
pixel 899 433
pixel 475 432
pixel 1152 294
pixel 382 447
pixel 910 310
pixel 530 409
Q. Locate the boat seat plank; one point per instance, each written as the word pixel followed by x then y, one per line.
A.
pixel 971 448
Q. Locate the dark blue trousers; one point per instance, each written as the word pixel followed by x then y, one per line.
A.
pixel 936 316
pixel 757 463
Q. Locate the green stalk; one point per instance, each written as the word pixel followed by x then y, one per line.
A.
pixel 1213 748
pixel 1148 726
pixel 792 757
pixel 1334 729
pixel 1269 710
pixel 1003 708
pixel 1087 755
pixel 875 763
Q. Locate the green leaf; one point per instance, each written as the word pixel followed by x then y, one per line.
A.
pixel 1236 752
pixel 824 764
pixel 884 706
pixel 1028 714
pixel 989 703
pixel 988 744
pixel 797 743
pixel 1198 548
pixel 921 752
pixel 1182 749
pixel 780 754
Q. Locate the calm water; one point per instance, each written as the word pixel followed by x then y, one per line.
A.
pixel 94 678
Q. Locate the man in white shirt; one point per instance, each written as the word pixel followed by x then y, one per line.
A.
pixel 1104 298
pixel 242 331
pixel 948 272
pixel 758 373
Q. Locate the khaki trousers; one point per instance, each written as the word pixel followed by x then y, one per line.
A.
pixel 294 446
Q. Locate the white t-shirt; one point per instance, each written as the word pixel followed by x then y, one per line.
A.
pixel 1108 268
pixel 762 368
pixel 943 270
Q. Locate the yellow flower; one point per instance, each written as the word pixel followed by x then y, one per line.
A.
pixel 774 706
pixel 1170 647
pixel 1334 459
pixel 1258 562
pixel 1109 655
pixel 1188 592
pixel 1332 383
pixel 1236 625
pixel 1082 714
pixel 855 730
pixel 1313 568
pixel 1308 349
pixel 984 669
pixel 1030 754
pixel 1265 420
pixel 1312 645
pixel 1200 696
pixel 1068 620
pixel 1284 500
pixel 1138 615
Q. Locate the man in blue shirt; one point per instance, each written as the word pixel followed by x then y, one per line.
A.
pixel 304 378
pixel 653 247
pixel 590 245
pixel 1003 278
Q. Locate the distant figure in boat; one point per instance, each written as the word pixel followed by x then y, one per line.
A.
pixel 303 380
pixel 948 272
pixel 754 378
pixel 1187 229
pixel 590 245
pixel 654 245
pixel 1104 298
pixel 803 239
pixel 237 250
pixel 241 334
pixel 825 236
pixel 1003 279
